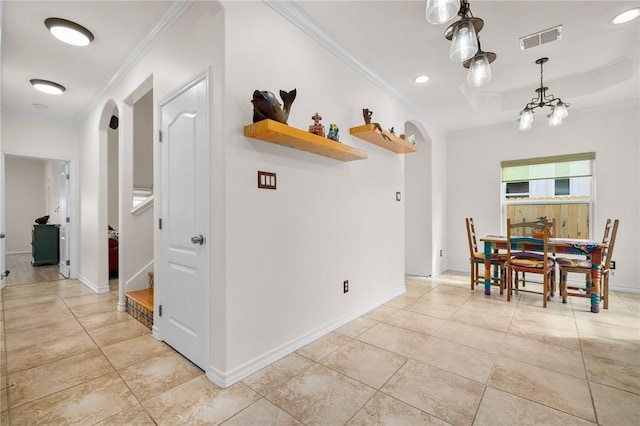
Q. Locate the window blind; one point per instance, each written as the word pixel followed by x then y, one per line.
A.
pixel 555 167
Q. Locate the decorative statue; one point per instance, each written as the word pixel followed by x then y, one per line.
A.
pixel 367 113
pixel 316 128
pixel 333 132
pixel 265 105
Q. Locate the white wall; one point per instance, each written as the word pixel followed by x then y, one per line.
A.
pixel 113 204
pixel 25 198
pixel 473 170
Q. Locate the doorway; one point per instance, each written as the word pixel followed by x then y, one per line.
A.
pixel 34 190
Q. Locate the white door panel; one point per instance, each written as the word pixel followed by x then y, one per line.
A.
pixel 184 273
pixel 63 195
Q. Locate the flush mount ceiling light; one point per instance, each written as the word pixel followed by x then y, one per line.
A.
pixel 558 108
pixel 47 86
pixel 627 16
pixel 465 43
pixel 68 31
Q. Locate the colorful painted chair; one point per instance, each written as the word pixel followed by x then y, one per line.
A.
pixel 476 258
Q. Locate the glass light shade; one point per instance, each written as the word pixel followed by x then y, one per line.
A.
pixel 68 31
pixel 561 110
pixel 441 11
pixel 48 87
pixel 526 119
pixel 479 71
pixel 464 43
pixel 555 118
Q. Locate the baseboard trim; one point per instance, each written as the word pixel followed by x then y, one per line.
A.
pixel 96 289
pixel 226 379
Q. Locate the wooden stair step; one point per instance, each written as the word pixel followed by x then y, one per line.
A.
pixel 139 304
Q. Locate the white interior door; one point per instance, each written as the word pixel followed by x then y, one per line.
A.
pixel 183 283
pixel 2 234
pixel 63 195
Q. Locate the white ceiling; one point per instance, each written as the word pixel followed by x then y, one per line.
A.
pixel 594 65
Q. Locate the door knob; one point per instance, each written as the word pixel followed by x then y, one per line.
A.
pixel 198 239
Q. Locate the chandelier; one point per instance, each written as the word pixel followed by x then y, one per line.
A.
pixel 558 108
pixel 465 43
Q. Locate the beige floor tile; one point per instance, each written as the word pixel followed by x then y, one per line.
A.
pixel 414 321
pixel 394 339
pixel 156 375
pixel 94 308
pixel 384 410
pixel 28 302
pixel 501 408
pixel 321 396
pixel 437 297
pixel 417 291
pixel 323 346
pixel 47 379
pixel 128 352
pixel 556 390
pixel 199 402
pixel 84 404
pixel 615 407
pixel 104 319
pixel 49 351
pixel 629 334
pixel 437 310
pixel 468 335
pixel 447 396
pixel 543 355
pixel 52 309
pixel 617 374
pixel 32 336
pixel 123 330
pixel 367 364
pixel 276 374
pixel 400 301
pixel 487 320
pixel 87 299
pixel 39 319
pixel 134 416
pixel 545 327
pixel 618 350
pixel 380 313
pixel 463 360
pixel 454 290
pixel 356 327
pixel 262 412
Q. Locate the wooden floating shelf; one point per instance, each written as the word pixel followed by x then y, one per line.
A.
pixel 370 133
pixel 282 134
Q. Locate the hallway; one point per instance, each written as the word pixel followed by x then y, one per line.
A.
pixel 440 354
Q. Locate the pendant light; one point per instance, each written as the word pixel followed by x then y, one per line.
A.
pixel 479 69
pixel 558 108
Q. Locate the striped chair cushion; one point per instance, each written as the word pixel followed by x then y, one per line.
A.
pixel 531 263
pixel 574 263
pixel 494 256
pixel 530 255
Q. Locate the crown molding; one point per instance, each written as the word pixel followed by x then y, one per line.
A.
pixel 298 17
pixel 172 15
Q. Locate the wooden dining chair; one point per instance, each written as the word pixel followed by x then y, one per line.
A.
pixel 543 265
pixel 533 228
pixel 476 258
pixel 583 266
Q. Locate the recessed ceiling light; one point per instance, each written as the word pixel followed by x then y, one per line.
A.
pixel 626 16
pixel 47 86
pixel 69 31
pixel 421 79
pixel 40 106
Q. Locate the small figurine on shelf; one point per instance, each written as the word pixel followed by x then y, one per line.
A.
pixel 317 128
pixel 367 113
pixel 392 131
pixel 333 132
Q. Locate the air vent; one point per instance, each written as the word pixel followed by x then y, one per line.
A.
pixel 542 37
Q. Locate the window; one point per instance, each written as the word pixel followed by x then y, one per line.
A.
pixel 558 188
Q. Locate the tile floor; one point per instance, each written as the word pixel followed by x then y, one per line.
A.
pixel 440 354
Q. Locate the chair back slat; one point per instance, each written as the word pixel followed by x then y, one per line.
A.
pixel 471 236
pixel 608 251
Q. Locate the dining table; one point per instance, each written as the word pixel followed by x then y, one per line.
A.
pixel 592 249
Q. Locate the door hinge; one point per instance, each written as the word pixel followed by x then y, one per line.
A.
pixel 160 223
pixel 68 262
pixel 160 135
pixel 159 310
pixel 67 177
pixel 68 220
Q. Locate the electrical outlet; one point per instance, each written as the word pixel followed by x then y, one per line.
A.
pixel 613 264
pixel 345 286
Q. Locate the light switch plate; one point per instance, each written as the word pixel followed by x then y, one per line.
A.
pixel 266 180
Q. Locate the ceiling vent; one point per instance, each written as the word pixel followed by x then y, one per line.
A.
pixel 541 37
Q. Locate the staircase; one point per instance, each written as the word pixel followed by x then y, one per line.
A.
pixel 139 304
